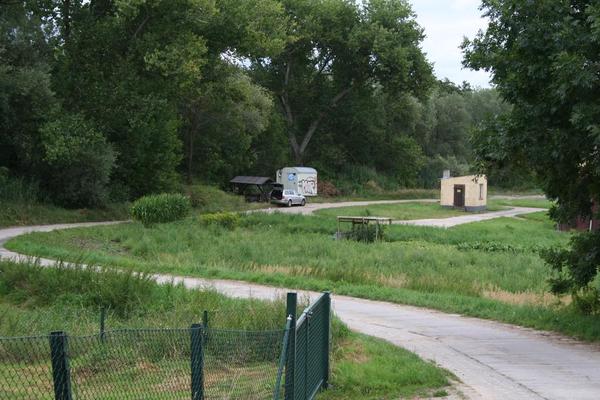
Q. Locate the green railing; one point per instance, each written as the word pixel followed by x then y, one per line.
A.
pixel 199 362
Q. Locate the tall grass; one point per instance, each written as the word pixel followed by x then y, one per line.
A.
pixel 490 269
pixel 34 299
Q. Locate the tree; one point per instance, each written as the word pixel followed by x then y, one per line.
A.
pixel 77 162
pixel 336 49
pixel 544 59
pixel 227 112
pixel 26 96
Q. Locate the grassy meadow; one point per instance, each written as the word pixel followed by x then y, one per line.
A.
pixel 35 301
pixel 489 269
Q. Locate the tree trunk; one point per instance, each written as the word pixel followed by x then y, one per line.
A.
pixel 300 150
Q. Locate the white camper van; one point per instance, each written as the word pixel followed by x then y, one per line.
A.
pixel 301 179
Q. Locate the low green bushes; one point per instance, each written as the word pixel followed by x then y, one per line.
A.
pixel 228 220
pixel 160 208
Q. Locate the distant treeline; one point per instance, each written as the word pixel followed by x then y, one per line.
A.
pixel 107 100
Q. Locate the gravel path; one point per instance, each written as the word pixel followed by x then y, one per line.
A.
pixel 492 360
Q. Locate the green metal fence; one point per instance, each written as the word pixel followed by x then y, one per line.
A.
pixel 199 362
pixel 307 369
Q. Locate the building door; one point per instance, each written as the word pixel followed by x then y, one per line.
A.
pixel 459 195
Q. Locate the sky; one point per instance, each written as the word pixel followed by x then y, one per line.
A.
pixel 446 23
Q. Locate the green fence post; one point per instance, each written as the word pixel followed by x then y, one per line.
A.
pixel 327 336
pixel 205 319
pixel 197 362
pixel 290 366
pixel 102 323
pixel 60 365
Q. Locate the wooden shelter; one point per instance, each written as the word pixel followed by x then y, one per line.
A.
pixel 253 188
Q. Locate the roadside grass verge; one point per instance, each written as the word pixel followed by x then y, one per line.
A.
pixel 400 194
pixel 35 301
pixel 373 369
pixel 534 203
pixel 489 269
pixel 22 214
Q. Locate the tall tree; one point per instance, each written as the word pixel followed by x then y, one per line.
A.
pixel 544 59
pixel 338 48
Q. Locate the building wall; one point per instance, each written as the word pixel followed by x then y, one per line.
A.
pixel 473 200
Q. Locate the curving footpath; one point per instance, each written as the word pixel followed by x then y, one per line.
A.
pixel 491 359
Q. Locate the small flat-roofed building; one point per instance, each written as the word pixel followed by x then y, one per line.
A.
pixel 466 192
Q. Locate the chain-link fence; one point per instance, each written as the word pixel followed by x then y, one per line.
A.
pixel 199 362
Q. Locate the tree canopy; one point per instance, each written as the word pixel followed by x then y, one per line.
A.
pixel 108 100
pixel 544 59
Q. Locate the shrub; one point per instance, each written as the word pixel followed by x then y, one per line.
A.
pixel 160 208
pixel 366 233
pixel 575 270
pixel 77 162
pixel 229 220
pixel 18 190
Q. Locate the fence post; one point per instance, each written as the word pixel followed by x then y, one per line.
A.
pixel 290 366
pixel 205 319
pixel 60 365
pixel 197 362
pixel 102 323
pixel 327 335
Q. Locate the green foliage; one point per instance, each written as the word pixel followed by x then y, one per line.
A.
pixel 543 56
pixel 228 220
pixel 340 51
pixel 575 271
pixel 18 190
pixel 79 162
pixel 492 247
pixel 160 208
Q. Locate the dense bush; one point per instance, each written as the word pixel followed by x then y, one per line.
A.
pixel 229 220
pixel 77 162
pixel 17 190
pixel 575 271
pixel 160 208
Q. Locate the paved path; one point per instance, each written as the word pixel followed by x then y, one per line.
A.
pixel 436 222
pixel 466 219
pixel 493 360
pixel 309 208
